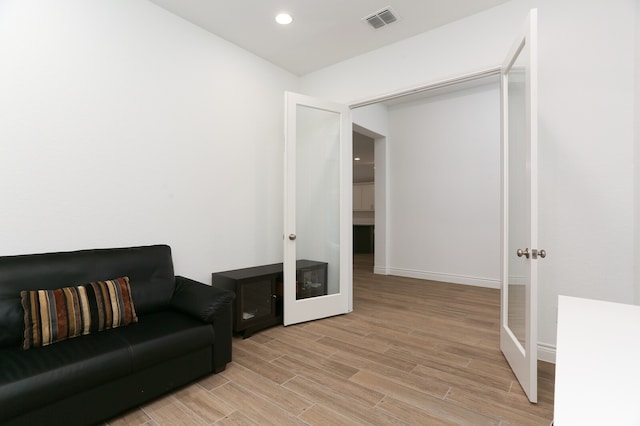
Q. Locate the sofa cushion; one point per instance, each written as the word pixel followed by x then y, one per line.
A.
pixel 164 335
pixel 41 376
pixel 44 375
pixel 54 315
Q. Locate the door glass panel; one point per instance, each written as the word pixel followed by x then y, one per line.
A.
pixel 518 270
pixel 317 202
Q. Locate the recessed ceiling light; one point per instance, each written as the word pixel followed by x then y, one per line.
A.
pixel 357 159
pixel 284 19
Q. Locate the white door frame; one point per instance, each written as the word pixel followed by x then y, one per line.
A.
pixel 451 82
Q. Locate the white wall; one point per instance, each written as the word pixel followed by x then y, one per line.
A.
pixel 373 118
pixel 586 154
pixel 586 118
pixel 444 187
pixel 637 156
pixel 124 125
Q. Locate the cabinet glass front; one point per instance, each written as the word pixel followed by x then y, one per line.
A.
pixel 256 300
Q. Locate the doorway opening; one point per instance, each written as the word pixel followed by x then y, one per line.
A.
pixel 439 190
pixel 363 194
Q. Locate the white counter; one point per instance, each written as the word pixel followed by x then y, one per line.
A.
pixel 597 363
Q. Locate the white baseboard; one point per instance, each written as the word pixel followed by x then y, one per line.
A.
pixel 436 276
pixel 546 352
pixel 380 270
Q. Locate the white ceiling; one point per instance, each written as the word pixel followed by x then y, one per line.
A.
pixel 323 32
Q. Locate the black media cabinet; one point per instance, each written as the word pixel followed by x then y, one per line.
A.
pixel 259 292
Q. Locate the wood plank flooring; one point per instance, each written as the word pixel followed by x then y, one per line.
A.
pixel 412 352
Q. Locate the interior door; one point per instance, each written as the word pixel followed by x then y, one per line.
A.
pixel 518 330
pixel 317 210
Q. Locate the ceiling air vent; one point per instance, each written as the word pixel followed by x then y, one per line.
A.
pixel 381 18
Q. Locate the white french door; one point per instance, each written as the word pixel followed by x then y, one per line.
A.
pixel 520 254
pixel 317 209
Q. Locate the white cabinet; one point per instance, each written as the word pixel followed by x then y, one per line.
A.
pixel 598 350
pixel 364 196
pixel 368 197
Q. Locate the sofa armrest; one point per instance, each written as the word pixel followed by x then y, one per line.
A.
pixel 199 300
pixel 212 305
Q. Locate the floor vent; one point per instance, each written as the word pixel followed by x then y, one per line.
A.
pixel 381 18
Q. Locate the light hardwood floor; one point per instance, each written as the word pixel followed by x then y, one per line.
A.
pixel 411 352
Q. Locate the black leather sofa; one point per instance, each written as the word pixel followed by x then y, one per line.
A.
pixel 183 333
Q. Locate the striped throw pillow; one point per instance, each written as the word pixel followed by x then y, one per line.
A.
pixel 54 315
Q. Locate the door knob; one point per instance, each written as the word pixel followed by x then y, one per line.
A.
pixel 292 237
pixel 534 253
pixel 539 254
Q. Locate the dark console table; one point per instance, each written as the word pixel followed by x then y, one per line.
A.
pixel 259 292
